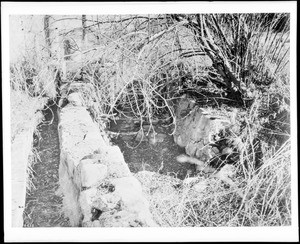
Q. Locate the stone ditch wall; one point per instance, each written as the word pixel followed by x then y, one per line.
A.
pixel 97 186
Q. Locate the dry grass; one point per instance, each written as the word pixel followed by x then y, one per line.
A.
pixel 24 112
pixel 210 201
pixel 267 193
pixel 33 158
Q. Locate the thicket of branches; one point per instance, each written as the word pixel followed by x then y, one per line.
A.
pixel 142 62
pixel 139 64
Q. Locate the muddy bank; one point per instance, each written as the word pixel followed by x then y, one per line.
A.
pixel 43 206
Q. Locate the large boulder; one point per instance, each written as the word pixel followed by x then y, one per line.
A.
pixel 198 129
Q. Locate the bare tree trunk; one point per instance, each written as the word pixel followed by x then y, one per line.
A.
pixel 84 38
pixel 83 32
pixel 67 49
pixel 47 34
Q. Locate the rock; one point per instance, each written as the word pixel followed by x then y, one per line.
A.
pixel 78 135
pixel 127 184
pixel 117 166
pixel 106 202
pixel 198 129
pixel 86 199
pixel 201 150
pixel 88 161
pixel 208 169
pixel 87 224
pixel 130 191
pixel 75 99
pixel 200 186
pixel 124 207
pixel 96 223
pixel 112 157
pixel 191 148
pixel 227 171
pixel 122 218
pixel 91 174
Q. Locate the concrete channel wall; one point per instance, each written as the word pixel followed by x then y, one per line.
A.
pixel 97 186
pixel 20 150
pixel 21 146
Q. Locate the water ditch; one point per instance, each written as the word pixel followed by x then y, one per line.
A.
pixel 142 154
pixel 43 206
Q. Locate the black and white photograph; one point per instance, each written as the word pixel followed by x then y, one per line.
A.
pixel 154 121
